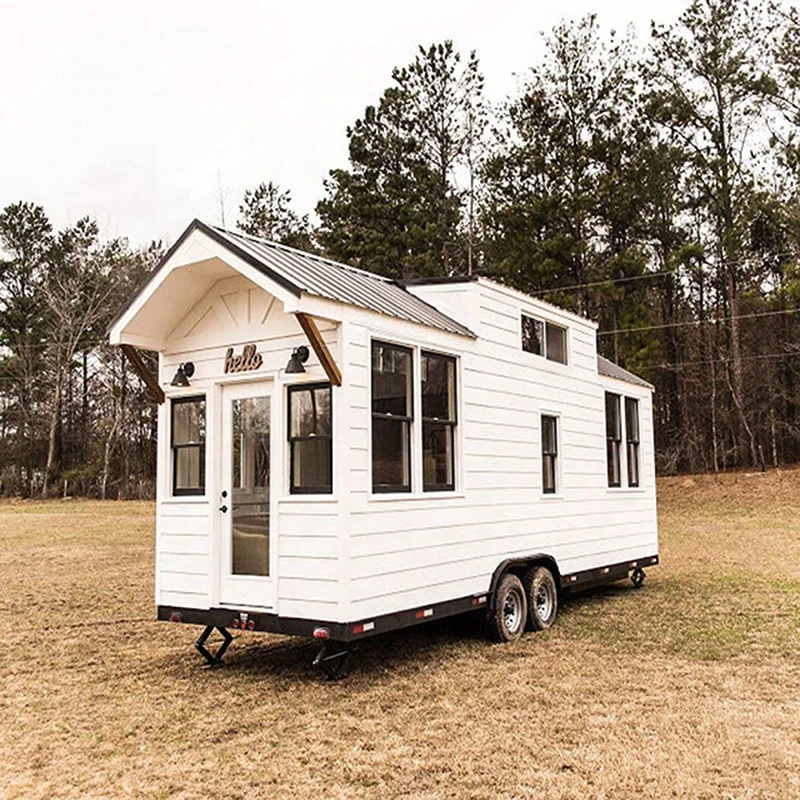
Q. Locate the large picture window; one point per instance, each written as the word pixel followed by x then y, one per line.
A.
pixel 549 454
pixel 188 426
pixel 392 415
pixel 613 439
pixel 310 439
pixel 632 439
pixel 438 422
pixel 544 339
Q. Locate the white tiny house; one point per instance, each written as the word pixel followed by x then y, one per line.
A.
pixel 341 455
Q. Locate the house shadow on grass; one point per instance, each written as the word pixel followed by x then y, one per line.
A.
pixel 289 659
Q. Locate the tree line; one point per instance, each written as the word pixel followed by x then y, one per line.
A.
pixel 649 185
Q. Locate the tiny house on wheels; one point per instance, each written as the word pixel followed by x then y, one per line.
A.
pixel 341 454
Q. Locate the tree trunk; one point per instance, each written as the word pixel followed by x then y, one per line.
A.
pixel 51 448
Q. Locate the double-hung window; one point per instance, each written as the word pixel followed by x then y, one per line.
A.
pixel 544 339
pixel 188 442
pixel 392 415
pixel 632 439
pixel 438 422
pixel 613 439
pixel 310 439
pixel 549 454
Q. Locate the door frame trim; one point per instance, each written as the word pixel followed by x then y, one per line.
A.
pixel 224 391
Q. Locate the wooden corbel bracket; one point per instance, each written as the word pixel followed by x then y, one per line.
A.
pixel 324 355
pixel 149 380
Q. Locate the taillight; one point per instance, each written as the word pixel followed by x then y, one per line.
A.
pixel 322 633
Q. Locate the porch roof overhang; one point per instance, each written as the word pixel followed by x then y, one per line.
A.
pixel 302 282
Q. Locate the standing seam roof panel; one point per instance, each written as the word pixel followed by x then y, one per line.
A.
pixel 324 278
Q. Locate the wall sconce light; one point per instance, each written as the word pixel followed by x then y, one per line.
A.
pixel 185 371
pixel 299 357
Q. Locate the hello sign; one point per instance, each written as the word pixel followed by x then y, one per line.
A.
pixel 249 360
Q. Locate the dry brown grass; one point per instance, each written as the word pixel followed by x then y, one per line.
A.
pixel 689 688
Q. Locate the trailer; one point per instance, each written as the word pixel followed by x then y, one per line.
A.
pixel 341 454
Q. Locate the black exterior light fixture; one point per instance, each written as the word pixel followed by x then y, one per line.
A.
pixel 185 371
pixel 299 357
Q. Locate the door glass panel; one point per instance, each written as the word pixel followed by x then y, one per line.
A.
pixel 250 489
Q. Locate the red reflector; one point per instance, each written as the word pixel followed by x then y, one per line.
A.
pixel 322 633
pixel 236 623
pixel 251 624
pixel 175 617
pixel 358 629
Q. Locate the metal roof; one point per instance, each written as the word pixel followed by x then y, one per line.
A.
pixel 612 370
pixel 300 272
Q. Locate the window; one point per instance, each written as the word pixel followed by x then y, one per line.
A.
pixel 556 339
pixel 632 439
pixel 549 453
pixel 613 438
pixel 392 414
pixel 188 446
pixel 438 422
pixel 310 439
pixel 532 335
pixel 544 339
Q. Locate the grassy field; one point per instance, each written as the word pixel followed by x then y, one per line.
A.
pixel 689 688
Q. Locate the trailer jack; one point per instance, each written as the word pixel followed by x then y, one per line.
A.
pixel 334 664
pixel 637 577
pixel 213 659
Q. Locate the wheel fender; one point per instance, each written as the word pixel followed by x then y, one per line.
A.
pixel 523 562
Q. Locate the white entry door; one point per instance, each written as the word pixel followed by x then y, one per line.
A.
pixel 247 544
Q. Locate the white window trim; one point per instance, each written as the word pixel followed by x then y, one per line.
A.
pixel 545 322
pixel 559 492
pixel 417 492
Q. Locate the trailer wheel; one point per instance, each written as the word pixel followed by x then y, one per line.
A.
pixel 509 608
pixel 542 596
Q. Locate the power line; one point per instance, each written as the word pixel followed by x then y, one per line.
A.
pixel 646 275
pixel 709 361
pixel 699 322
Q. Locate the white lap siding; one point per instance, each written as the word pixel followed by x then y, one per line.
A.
pixel 418 549
pixel 305 530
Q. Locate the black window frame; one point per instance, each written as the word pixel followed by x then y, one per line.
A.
pixel 437 422
pixel 408 420
pixel 550 457
pixel 290 390
pixel 543 347
pixel 614 441
pixel 632 444
pixel 201 446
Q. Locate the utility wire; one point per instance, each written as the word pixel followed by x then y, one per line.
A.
pixel 699 321
pixel 646 275
pixel 784 354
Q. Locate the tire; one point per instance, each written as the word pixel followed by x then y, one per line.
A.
pixel 542 596
pixel 509 609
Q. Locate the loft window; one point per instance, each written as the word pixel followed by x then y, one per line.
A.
pixel 392 415
pixel 613 439
pixel 310 439
pixel 632 439
pixel 438 422
pixel 549 454
pixel 544 339
pixel 188 426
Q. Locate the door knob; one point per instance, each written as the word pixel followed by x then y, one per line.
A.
pixel 223 509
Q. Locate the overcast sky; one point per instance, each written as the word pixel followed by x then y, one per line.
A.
pixel 138 113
